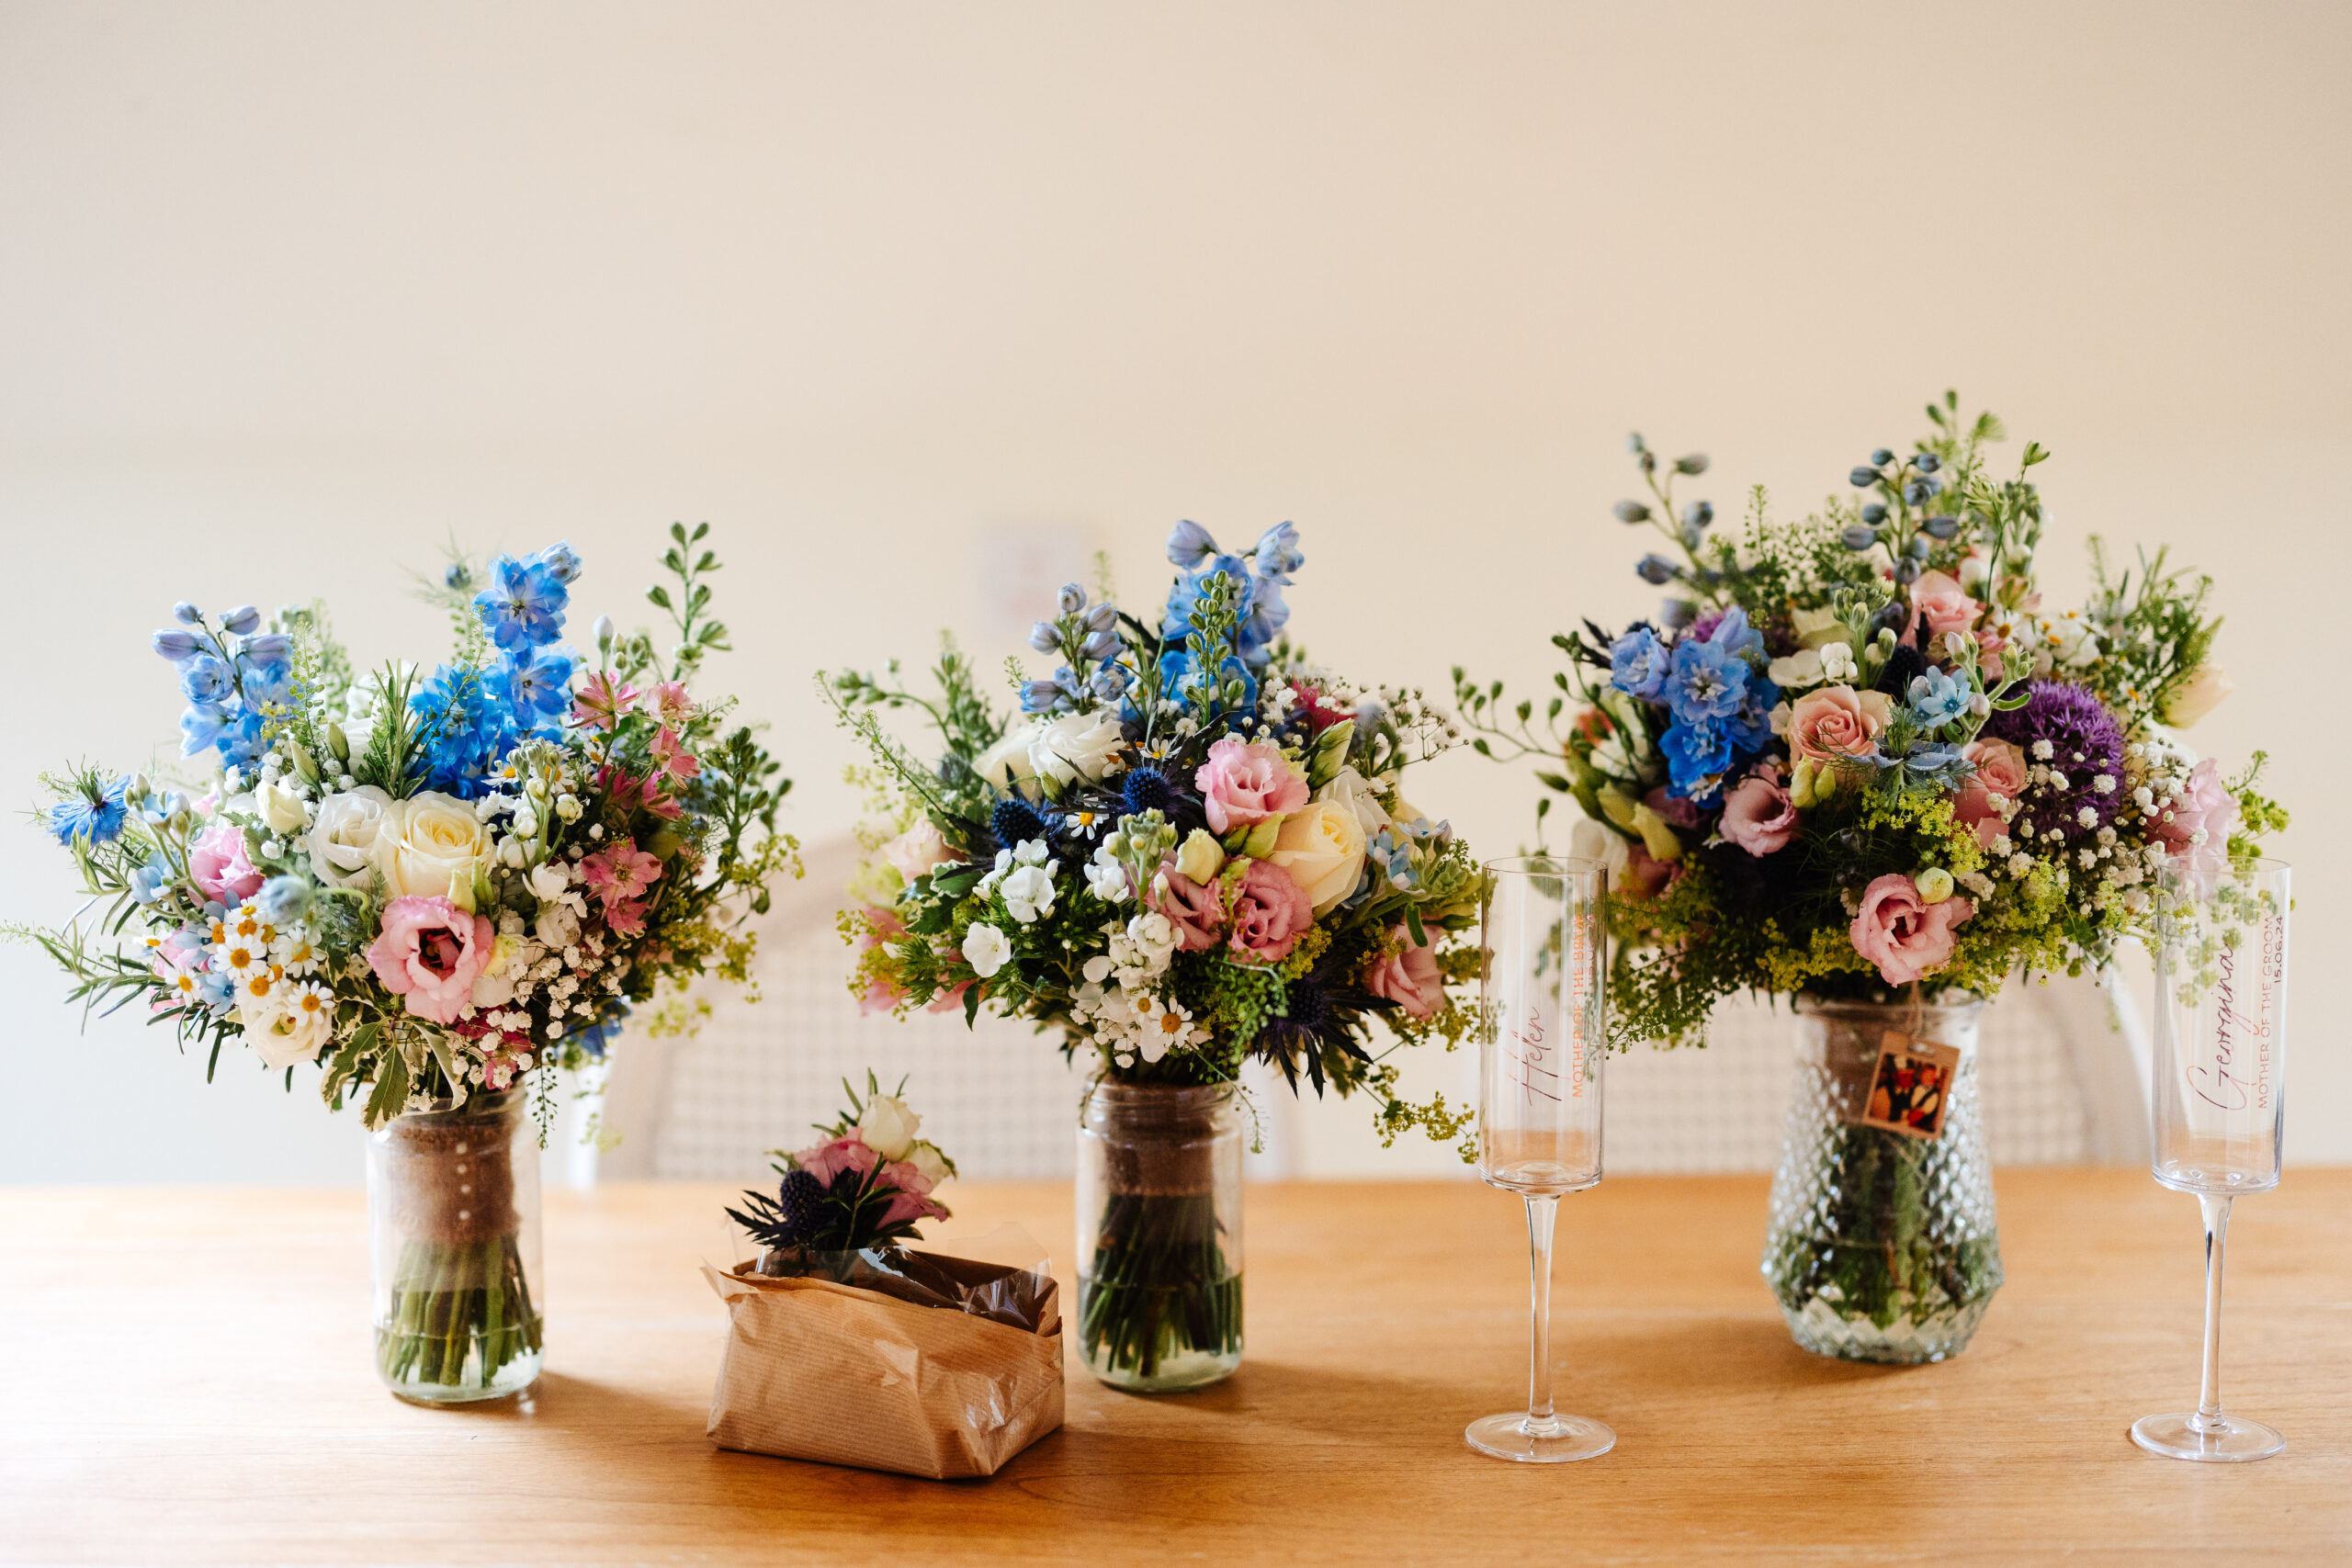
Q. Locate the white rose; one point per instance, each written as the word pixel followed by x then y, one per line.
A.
pixel 1078 744
pixel 929 1163
pixel 283 810
pixel 557 926
pixel 343 839
pixel 986 949
pixel 432 850
pixel 887 1127
pixel 1028 892
pixel 1349 789
pixel 1006 763
pixel 1322 848
pixel 1799 670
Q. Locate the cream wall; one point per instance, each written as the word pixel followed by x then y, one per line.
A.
pixel 898 296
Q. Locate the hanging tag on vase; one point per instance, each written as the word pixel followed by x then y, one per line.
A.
pixel 1911 1086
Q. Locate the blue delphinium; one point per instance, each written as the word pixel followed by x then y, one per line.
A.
pixel 522 607
pixel 1258 579
pixel 1639 663
pixel 1707 682
pixel 467 730
pixel 534 684
pixel 1695 752
pixel 95 816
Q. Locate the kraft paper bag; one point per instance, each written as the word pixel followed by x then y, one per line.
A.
pixel 821 1371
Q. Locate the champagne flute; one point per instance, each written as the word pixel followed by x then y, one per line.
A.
pixel 2217 1100
pixel 1539 1045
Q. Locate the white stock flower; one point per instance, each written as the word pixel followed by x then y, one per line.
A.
pixel 1106 878
pixel 1078 744
pixel 557 925
pixel 343 837
pixel 1838 662
pixel 1028 892
pixel 986 950
pixel 548 881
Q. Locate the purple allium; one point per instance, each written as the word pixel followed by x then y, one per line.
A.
pixel 2084 742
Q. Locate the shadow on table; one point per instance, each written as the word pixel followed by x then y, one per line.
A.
pixel 570 1404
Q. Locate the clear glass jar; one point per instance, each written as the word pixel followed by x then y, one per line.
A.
pixel 1883 1247
pixel 453 1213
pixel 1158 1235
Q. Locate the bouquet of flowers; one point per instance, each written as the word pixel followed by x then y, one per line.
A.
pixel 1190 849
pixel 428 886
pixel 865 1186
pixel 1857 756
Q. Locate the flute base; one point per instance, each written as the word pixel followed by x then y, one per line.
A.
pixel 1515 1435
pixel 2224 1440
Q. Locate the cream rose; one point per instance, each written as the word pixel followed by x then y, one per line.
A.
pixel 432 849
pixel 343 837
pixel 887 1127
pixel 1321 845
pixel 1006 763
pixel 1348 790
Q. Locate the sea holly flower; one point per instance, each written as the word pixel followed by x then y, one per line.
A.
pixel 601 702
pixel 522 607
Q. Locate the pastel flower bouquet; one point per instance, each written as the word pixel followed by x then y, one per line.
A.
pixel 850 1343
pixel 1856 760
pixel 514 852
pixel 1190 850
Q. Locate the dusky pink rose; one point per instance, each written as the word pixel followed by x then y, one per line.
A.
pixel 1830 722
pixel 906 1177
pixel 917 849
pixel 1677 809
pixel 1645 876
pixel 2208 807
pixel 220 866
pixel 1409 977
pixel 826 1162
pixel 1195 908
pixel 432 952
pixel 1271 912
pixel 2000 770
pixel 1938 596
pixel 906 1206
pixel 1243 783
pixel 1756 813
pixel 1904 934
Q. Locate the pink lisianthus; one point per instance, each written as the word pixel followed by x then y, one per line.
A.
pixel 2000 770
pixel 1939 598
pixel 621 873
pixel 1904 934
pixel 905 1206
pixel 1756 813
pixel 1409 977
pixel 1676 810
pixel 1831 722
pixel 2206 808
pixel 828 1162
pixel 670 701
pixel 1195 908
pixel 432 952
pixel 1245 781
pixel 601 702
pixel 1271 912
pixel 220 866
pixel 904 1176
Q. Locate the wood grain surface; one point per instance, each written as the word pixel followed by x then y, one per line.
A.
pixel 189 1380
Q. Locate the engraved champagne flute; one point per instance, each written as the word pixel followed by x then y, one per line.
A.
pixel 2217 1102
pixel 1539 1045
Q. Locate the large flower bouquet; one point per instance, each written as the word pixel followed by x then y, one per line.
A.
pixel 1858 757
pixel 1190 849
pixel 428 886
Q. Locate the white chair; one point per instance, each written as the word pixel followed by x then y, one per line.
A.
pixel 756 1076
pixel 2057 1068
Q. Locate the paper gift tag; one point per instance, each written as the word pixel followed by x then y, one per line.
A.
pixel 1911 1086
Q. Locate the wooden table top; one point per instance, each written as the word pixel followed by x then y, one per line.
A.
pixel 191 1381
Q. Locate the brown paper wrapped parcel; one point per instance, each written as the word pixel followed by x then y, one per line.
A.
pixel 819 1369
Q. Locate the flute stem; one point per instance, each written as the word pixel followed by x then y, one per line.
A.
pixel 2216 1209
pixel 1543 1214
